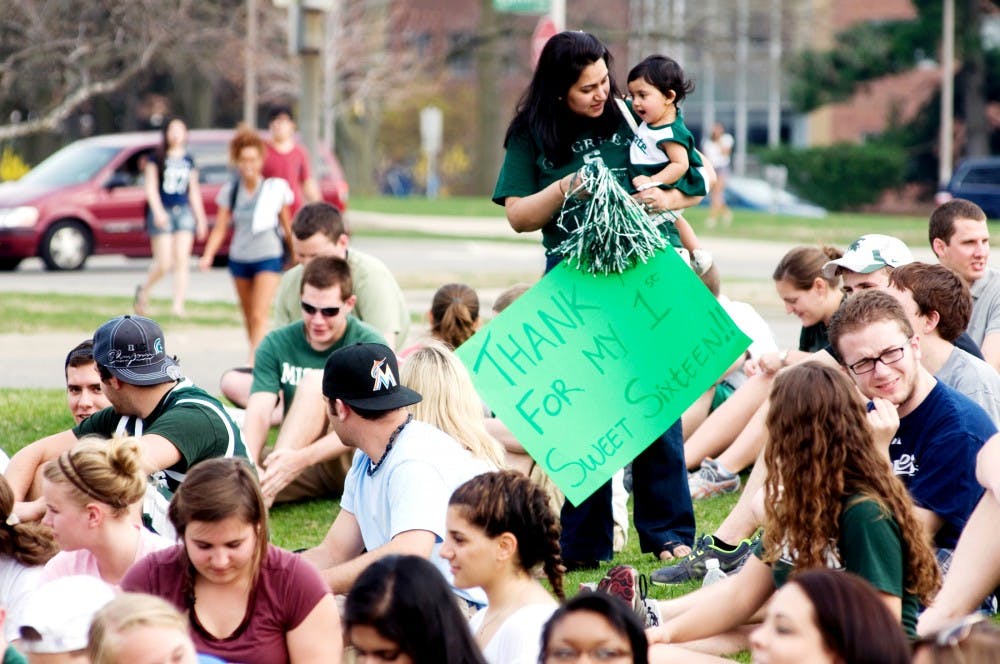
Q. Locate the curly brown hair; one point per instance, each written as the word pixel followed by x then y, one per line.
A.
pixel 820 452
pixel 245 137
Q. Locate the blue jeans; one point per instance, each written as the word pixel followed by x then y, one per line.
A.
pixel 181 219
pixel 662 509
pixel 661 504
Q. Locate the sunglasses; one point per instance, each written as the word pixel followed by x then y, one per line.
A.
pixel 325 312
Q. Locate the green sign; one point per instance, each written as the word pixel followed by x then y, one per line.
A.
pixel 522 6
pixel 586 371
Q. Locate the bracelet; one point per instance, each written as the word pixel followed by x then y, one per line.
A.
pixel 559 185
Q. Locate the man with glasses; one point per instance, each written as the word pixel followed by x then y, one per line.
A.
pixel 284 356
pixel 930 432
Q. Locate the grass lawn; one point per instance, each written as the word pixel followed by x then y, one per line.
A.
pixel 29 414
pixel 22 313
pixel 837 228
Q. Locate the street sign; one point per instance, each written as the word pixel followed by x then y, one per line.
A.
pixel 522 6
pixel 545 29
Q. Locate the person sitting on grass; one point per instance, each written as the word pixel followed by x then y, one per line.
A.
pixel 500 529
pixel 92 495
pixel 177 424
pixel 396 493
pixel 83 382
pixel 831 500
pixel 246 600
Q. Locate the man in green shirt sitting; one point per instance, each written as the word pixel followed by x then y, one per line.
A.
pixel 326 302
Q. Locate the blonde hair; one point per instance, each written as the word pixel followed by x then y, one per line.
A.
pixel 124 613
pixel 106 471
pixel 450 401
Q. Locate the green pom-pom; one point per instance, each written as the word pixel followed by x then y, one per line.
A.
pixel 614 233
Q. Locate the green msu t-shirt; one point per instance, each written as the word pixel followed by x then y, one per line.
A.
pixel 527 171
pixel 189 417
pixel 871 546
pixel 285 353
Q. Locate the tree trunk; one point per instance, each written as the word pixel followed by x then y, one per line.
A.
pixel 973 79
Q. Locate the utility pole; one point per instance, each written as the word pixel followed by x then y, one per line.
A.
pixel 250 67
pixel 946 149
pixel 740 126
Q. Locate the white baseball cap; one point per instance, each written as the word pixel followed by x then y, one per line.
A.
pixel 869 253
pixel 56 617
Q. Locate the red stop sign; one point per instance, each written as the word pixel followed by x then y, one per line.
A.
pixel 546 28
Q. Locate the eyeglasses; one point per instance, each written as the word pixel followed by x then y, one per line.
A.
pixel 602 654
pixel 325 312
pixel 868 364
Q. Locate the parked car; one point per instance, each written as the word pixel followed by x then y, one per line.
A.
pixel 88 198
pixel 978 180
pixel 756 194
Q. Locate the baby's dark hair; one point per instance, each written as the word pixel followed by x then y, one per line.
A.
pixel 665 75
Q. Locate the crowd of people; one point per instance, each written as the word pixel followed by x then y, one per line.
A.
pixel 862 533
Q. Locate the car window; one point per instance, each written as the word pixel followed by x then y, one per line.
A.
pixel 131 171
pixel 987 174
pixel 74 164
pixel 212 161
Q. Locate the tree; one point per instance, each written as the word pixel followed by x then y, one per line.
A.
pixel 870 50
pixel 57 55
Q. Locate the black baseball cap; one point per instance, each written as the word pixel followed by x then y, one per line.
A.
pixel 131 348
pixel 366 375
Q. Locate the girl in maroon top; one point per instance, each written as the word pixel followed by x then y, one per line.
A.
pixel 246 600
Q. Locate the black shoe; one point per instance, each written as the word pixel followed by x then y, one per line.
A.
pixel 575 565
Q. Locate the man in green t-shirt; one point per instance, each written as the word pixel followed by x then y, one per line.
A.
pixel 326 302
pixel 177 424
pixel 318 230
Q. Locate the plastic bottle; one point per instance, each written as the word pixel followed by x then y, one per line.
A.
pixel 713 574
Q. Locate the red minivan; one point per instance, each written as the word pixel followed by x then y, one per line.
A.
pixel 88 198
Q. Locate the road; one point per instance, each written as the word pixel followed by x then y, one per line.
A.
pixel 473 252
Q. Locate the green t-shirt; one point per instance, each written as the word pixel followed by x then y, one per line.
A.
pixel 12 656
pixel 285 353
pixel 380 300
pixel 189 417
pixel 871 546
pixel 526 171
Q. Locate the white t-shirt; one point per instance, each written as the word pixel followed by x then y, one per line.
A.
pixel 519 638
pixel 718 152
pixel 17 581
pixel 754 326
pixel 410 490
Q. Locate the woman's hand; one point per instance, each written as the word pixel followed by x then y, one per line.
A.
pixel 161 220
pixel 205 262
pixel 201 230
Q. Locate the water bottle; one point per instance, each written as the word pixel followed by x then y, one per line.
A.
pixel 713 574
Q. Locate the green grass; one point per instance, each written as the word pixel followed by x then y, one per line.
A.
pixel 837 228
pixel 35 312
pixel 452 206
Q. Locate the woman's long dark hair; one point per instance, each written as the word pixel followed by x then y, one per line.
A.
pixel 855 623
pixel 407 601
pixel 542 111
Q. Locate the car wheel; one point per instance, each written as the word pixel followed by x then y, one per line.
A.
pixel 65 246
pixel 8 264
pixel 220 261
